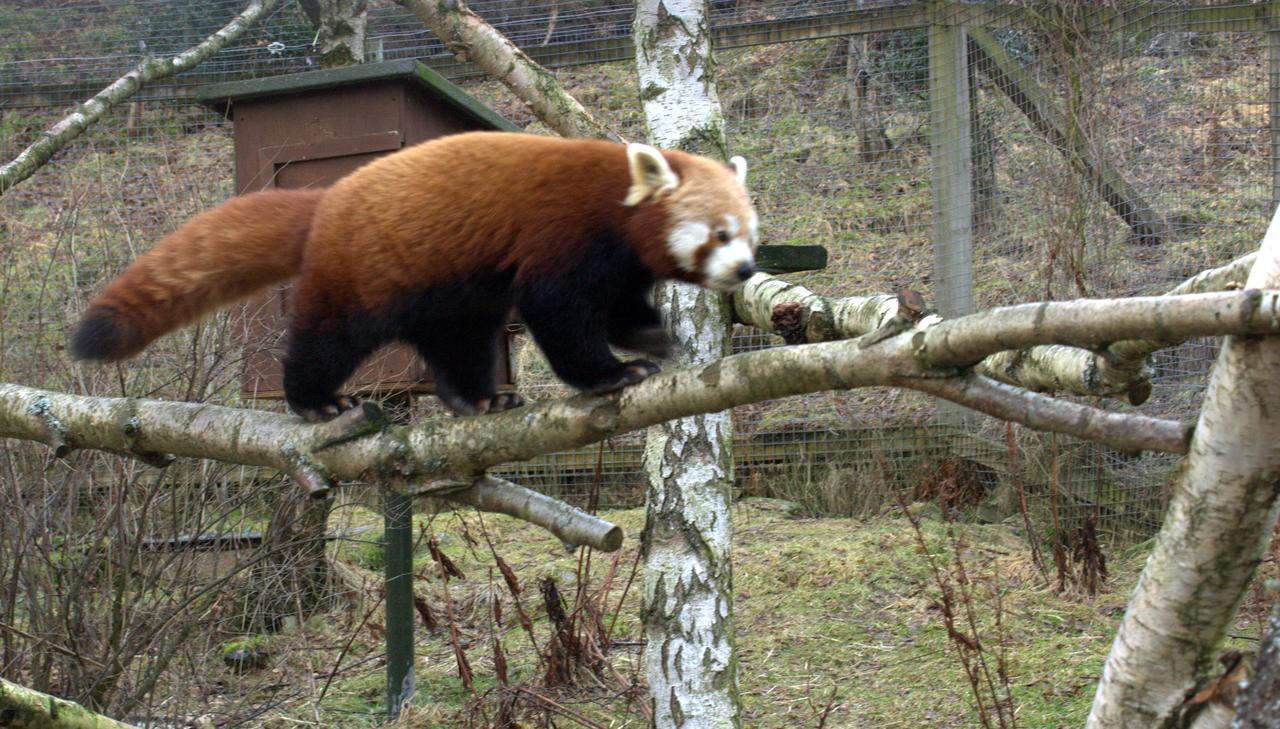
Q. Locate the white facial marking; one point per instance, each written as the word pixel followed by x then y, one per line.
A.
pixel 684 241
pixel 721 267
pixel 739 169
pixel 753 227
pixel 731 223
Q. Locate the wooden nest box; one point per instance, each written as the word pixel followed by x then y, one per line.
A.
pixel 307 130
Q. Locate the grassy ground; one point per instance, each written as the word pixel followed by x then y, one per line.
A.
pixel 833 616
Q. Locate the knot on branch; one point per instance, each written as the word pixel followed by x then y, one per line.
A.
pixel 132 428
pixel 788 322
pixel 52 429
pixel 311 476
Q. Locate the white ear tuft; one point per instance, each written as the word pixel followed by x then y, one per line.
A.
pixel 650 173
pixel 739 165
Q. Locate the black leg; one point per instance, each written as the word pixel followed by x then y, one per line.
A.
pixel 463 358
pixel 573 334
pixel 635 326
pixel 319 360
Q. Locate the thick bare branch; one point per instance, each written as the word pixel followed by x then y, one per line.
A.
pixel 1125 432
pixel 470 38
pixel 824 318
pixel 464 447
pixel 968 340
pixel 147 70
pixel 573 526
pixel 1118 368
pixel 1219 520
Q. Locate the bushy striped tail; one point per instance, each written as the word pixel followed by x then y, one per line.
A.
pixel 216 258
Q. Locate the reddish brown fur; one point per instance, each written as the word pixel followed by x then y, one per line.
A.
pixel 481 202
pixel 215 258
pixel 438 212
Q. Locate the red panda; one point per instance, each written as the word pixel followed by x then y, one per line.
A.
pixel 434 245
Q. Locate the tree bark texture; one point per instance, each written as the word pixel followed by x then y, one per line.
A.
pixel 24 708
pixel 340 28
pixel 149 69
pixel 470 38
pixel 1220 518
pixel 690 659
pixel 464 447
pixel 1258 705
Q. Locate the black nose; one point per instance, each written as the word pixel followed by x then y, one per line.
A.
pixel 746 271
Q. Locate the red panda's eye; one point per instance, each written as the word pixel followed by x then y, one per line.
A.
pixel 722 236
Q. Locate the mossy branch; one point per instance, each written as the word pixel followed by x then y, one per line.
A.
pixel 24 708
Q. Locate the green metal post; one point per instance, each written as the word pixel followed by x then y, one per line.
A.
pixel 398 543
pixel 952 156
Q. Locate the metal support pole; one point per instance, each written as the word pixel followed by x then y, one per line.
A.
pixel 398 543
pixel 1273 107
pixel 951 148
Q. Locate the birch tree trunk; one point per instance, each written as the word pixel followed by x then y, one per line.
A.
pixel 1219 521
pixel 340 27
pixel 688 595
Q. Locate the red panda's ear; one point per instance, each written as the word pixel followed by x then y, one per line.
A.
pixel 650 173
pixel 739 165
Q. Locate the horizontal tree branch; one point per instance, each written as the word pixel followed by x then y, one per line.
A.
pixel 465 447
pixel 1126 432
pixel 1116 370
pixel 967 340
pixel 571 525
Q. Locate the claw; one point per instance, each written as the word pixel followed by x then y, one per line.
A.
pixel 496 404
pixel 634 371
pixel 329 410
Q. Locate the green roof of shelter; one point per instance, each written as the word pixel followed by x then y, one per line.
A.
pixel 221 95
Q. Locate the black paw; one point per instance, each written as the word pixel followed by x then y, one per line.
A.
pixel 494 404
pixel 632 372
pixel 329 410
pixel 653 341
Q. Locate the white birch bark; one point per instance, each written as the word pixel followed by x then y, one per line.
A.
pixel 1219 521
pixel 340 29
pixel 688 596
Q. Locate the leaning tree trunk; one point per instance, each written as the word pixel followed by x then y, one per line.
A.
pixel 293 576
pixel 688 596
pixel 1219 521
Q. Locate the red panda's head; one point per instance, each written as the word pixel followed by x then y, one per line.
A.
pixel 708 227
